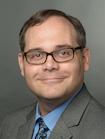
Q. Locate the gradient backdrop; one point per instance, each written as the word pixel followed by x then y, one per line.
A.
pixel 13 90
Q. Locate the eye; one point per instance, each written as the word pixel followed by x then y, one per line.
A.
pixel 36 55
pixel 65 53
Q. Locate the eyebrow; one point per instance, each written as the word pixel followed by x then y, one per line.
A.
pixel 63 46
pixel 57 47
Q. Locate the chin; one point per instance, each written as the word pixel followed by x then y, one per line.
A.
pixel 51 95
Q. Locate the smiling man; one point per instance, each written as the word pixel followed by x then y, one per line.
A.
pixel 53 60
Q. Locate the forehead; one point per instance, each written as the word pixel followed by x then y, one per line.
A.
pixel 54 21
pixel 53 30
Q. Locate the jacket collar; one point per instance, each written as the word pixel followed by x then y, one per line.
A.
pixel 74 112
pixel 69 120
pixel 25 131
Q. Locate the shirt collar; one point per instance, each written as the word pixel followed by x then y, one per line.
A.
pixel 52 117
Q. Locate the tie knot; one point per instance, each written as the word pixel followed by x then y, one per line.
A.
pixel 42 133
pixel 42 125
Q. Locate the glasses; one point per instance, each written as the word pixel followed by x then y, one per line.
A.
pixel 37 57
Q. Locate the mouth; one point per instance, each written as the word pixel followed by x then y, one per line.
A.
pixel 53 80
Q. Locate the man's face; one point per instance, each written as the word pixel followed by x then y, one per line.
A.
pixel 52 80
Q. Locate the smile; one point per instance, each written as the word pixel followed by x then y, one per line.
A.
pixel 52 80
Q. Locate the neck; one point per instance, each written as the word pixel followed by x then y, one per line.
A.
pixel 47 106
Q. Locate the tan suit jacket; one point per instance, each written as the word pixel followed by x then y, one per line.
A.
pixel 84 118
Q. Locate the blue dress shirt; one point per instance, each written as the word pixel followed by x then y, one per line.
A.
pixel 52 117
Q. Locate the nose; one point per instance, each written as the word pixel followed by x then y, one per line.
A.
pixel 50 64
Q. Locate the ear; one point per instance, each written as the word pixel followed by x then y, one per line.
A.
pixel 86 59
pixel 21 63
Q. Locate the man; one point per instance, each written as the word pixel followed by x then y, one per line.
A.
pixel 53 60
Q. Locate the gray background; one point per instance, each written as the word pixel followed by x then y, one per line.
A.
pixel 13 90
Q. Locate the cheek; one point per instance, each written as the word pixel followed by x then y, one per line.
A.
pixel 30 72
pixel 75 70
pixel 72 67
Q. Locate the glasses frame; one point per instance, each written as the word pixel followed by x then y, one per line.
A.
pixel 51 54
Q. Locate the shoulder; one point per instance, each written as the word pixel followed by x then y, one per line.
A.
pixel 22 112
pixel 93 116
pixel 93 120
pixel 85 116
pixel 13 121
pixel 91 103
pixel 84 108
pixel 95 108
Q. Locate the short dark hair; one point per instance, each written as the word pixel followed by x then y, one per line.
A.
pixel 41 16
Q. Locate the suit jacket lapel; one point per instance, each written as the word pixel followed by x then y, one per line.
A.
pixel 26 130
pixel 71 118
pixel 61 131
pixel 67 124
pixel 76 108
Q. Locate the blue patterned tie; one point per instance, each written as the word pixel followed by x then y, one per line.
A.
pixel 42 132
